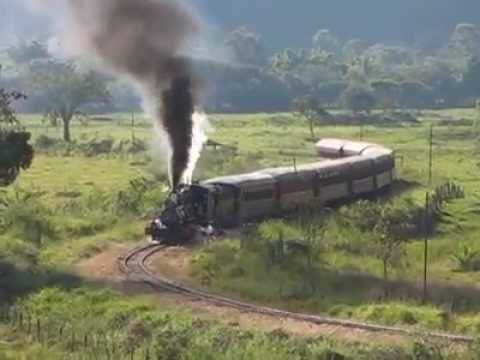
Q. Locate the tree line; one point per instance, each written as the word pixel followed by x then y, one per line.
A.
pixel 332 73
pixel 360 75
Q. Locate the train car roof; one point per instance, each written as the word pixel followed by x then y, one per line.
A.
pixel 347 153
pixel 352 148
pixel 345 148
pixel 377 151
pixel 330 147
pixel 277 171
pixel 325 165
pixel 241 179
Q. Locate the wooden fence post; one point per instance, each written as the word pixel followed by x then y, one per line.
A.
pixel 38 329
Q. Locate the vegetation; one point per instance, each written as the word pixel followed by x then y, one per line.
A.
pixel 358 74
pixel 309 108
pixel 97 179
pixel 15 151
pixel 77 199
pixel 56 323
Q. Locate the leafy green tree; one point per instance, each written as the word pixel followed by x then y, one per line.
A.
pixel 274 235
pixel 246 46
pixel 358 99
pixel 310 109
pixel 312 223
pixel 67 89
pixel 15 151
pixel 390 237
pixel 386 92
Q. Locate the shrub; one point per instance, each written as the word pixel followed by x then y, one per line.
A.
pixel 25 213
pixel 95 147
pixel 467 258
pixel 405 216
pixel 45 142
pixel 131 146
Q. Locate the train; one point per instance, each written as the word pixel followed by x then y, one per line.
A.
pixel 348 169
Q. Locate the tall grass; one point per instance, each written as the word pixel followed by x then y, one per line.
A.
pixel 99 324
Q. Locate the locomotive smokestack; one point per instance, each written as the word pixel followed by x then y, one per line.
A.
pixel 142 39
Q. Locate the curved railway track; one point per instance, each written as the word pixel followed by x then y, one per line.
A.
pixel 134 266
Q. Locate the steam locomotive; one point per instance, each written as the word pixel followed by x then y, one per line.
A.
pixel 352 169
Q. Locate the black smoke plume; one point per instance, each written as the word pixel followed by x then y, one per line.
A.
pixel 142 39
pixel 178 108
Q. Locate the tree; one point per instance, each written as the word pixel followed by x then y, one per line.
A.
pixel 386 92
pixel 476 121
pixel 67 89
pixel 330 92
pixel 15 151
pixel 353 49
pixel 390 237
pixel 309 108
pixel 465 41
pixel 414 94
pixel 358 98
pixel 471 79
pixel 312 223
pixel 246 46
pixel 24 53
pixel 326 41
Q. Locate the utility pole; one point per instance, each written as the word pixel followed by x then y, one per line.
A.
pixel 133 126
pixel 430 158
pixel 426 236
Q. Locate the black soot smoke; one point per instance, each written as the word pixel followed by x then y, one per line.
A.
pixel 142 39
pixel 178 109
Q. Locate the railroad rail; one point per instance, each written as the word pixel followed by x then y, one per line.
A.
pixel 134 266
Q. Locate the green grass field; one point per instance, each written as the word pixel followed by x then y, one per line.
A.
pixel 80 204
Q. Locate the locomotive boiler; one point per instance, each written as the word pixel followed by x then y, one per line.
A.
pixel 351 169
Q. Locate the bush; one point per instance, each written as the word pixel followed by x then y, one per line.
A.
pixel 25 213
pixel 406 217
pixel 131 146
pixel 95 147
pixel 467 258
pixel 46 143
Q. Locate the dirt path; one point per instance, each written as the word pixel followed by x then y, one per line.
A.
pixel 103 270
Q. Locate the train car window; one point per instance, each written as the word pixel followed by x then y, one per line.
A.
pixel 333 176
pixel 258 195
pixel 295 184
pixel 362 168
pixel 384 164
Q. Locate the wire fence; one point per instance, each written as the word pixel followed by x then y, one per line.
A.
pixel 80 342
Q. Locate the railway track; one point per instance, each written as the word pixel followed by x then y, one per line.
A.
pixel 134 266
